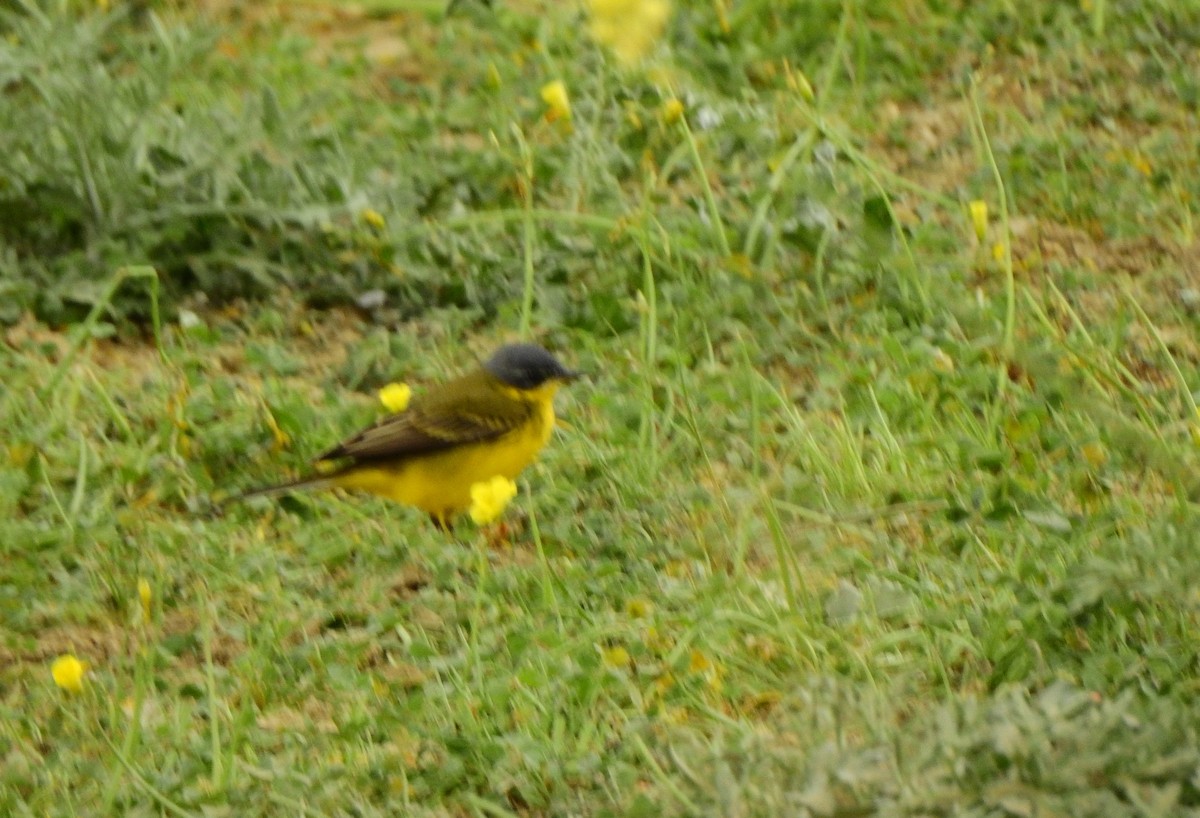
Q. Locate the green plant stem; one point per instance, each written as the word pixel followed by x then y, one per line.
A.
pixel 1010 287
pixel 86 329
pixel 710 198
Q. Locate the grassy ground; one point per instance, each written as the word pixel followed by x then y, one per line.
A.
pixel 860 512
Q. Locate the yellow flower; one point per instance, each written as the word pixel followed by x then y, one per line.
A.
pixel 979 217
pixel 998 251
pixel 489 498
pixel 672 111
pixel 558 105
pixel 629 28
pixel 1094 454
pixel 616 657
pixel 145 595
pixel 709 670
pixel 698 662
pixel 639 607
pixel 675 715
pixel 19 454
pixel 395 396
pixel 373 217
pixel 68 673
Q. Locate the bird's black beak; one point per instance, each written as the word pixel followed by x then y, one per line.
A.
pixel 570 375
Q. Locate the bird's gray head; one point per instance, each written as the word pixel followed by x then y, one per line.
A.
pixel 527 366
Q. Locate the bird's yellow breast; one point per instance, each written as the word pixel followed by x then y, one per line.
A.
pixel 440 483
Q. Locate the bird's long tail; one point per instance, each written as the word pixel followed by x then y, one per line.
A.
pixel 313 481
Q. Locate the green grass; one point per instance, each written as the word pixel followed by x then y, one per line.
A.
pixel 854 515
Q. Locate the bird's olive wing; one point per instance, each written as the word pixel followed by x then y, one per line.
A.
pixel 459 412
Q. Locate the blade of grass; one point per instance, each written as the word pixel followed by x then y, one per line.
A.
pixel 1006 262
pixel 85 331
pixel 527 232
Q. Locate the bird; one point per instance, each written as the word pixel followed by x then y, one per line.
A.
pixel 492 422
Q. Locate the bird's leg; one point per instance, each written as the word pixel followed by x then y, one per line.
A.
pixel 442 522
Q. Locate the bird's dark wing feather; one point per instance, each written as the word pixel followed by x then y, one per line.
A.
pixel 456 413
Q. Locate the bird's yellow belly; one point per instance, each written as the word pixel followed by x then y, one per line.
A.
pixel 440 483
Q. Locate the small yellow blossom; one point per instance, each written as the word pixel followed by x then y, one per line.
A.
pixel 1095 454
pixel 616 657
pixel 489 498
pixel 1141 164
pixel 979 218
pixel 629 28
pixel 68 673
pixel 395 396
pixel 639 607
pixel 19 454
pixel 698 662
pixel 701 665
pixel 998 251
pixel 373 217
pixel 672 111
pixel 675 715
pixel 145 595
pixel 558 104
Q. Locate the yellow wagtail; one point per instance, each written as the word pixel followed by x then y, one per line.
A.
pixel 488 423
